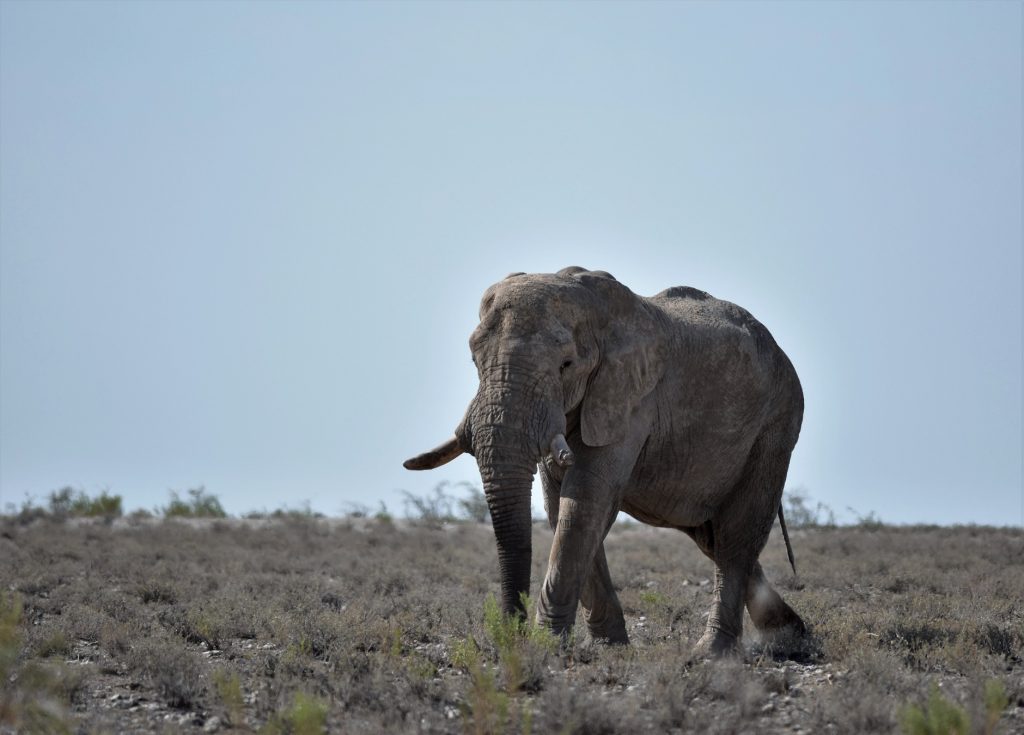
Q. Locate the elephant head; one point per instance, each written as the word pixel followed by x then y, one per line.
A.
pixel 558 355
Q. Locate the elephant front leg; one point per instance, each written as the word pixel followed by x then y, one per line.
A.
pixel 601 608
pixel 589 499
pixel 579 532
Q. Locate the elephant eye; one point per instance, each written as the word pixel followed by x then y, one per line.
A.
pixel 565 365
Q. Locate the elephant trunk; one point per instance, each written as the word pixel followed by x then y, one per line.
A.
pixel 507 473
pixel 512 423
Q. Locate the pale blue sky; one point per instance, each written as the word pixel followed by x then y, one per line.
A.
pixel 242 245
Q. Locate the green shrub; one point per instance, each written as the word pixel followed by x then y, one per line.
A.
pixel 200 504
pixel 106 506
pixel 61 501
pixel 68 502
pixel 996 700
pixel 940 716
pixel 521 649
pixel 304 512
pixel 306 716
pixel 653 599
pixel 382 515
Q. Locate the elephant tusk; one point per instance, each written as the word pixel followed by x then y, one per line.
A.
pixel 561 452
pixel 436 457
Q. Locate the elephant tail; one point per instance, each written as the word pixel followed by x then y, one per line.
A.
pixel 785 535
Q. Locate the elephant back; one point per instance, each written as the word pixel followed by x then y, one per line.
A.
pixel 683 292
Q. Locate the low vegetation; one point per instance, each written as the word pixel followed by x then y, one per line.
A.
pixel 68 503
pixel 299 624
pixel 199 504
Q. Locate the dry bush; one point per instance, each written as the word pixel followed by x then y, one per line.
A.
pixel 175 673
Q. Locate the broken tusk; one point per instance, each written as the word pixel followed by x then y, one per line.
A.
pixel 561 452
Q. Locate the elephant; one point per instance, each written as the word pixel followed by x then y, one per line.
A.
pixel 678 409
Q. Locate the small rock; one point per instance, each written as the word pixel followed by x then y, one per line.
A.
pixel 212 724
pixel 705 582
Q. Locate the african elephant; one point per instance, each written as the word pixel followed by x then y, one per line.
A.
pixel 679 409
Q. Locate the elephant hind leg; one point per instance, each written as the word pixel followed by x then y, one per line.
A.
pixel 725 619
pixel 737 534
pixel 704 537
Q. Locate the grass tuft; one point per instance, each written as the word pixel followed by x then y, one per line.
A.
pixel 307 715
pixel 229 692
pixel 521 645
pixel 174 672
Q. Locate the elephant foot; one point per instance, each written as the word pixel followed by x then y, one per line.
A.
pixel 607 625
pixel 791 642
pixel 612 635
pixel 716 643
pixel 771 614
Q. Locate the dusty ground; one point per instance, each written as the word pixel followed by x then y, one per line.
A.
pixel 367 626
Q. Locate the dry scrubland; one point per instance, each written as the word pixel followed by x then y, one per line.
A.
pixel 304 625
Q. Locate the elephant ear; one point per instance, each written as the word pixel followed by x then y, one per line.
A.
pixel 623 378
pixel 632 358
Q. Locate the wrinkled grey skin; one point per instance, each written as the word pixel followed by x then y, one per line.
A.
pixel 681 411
